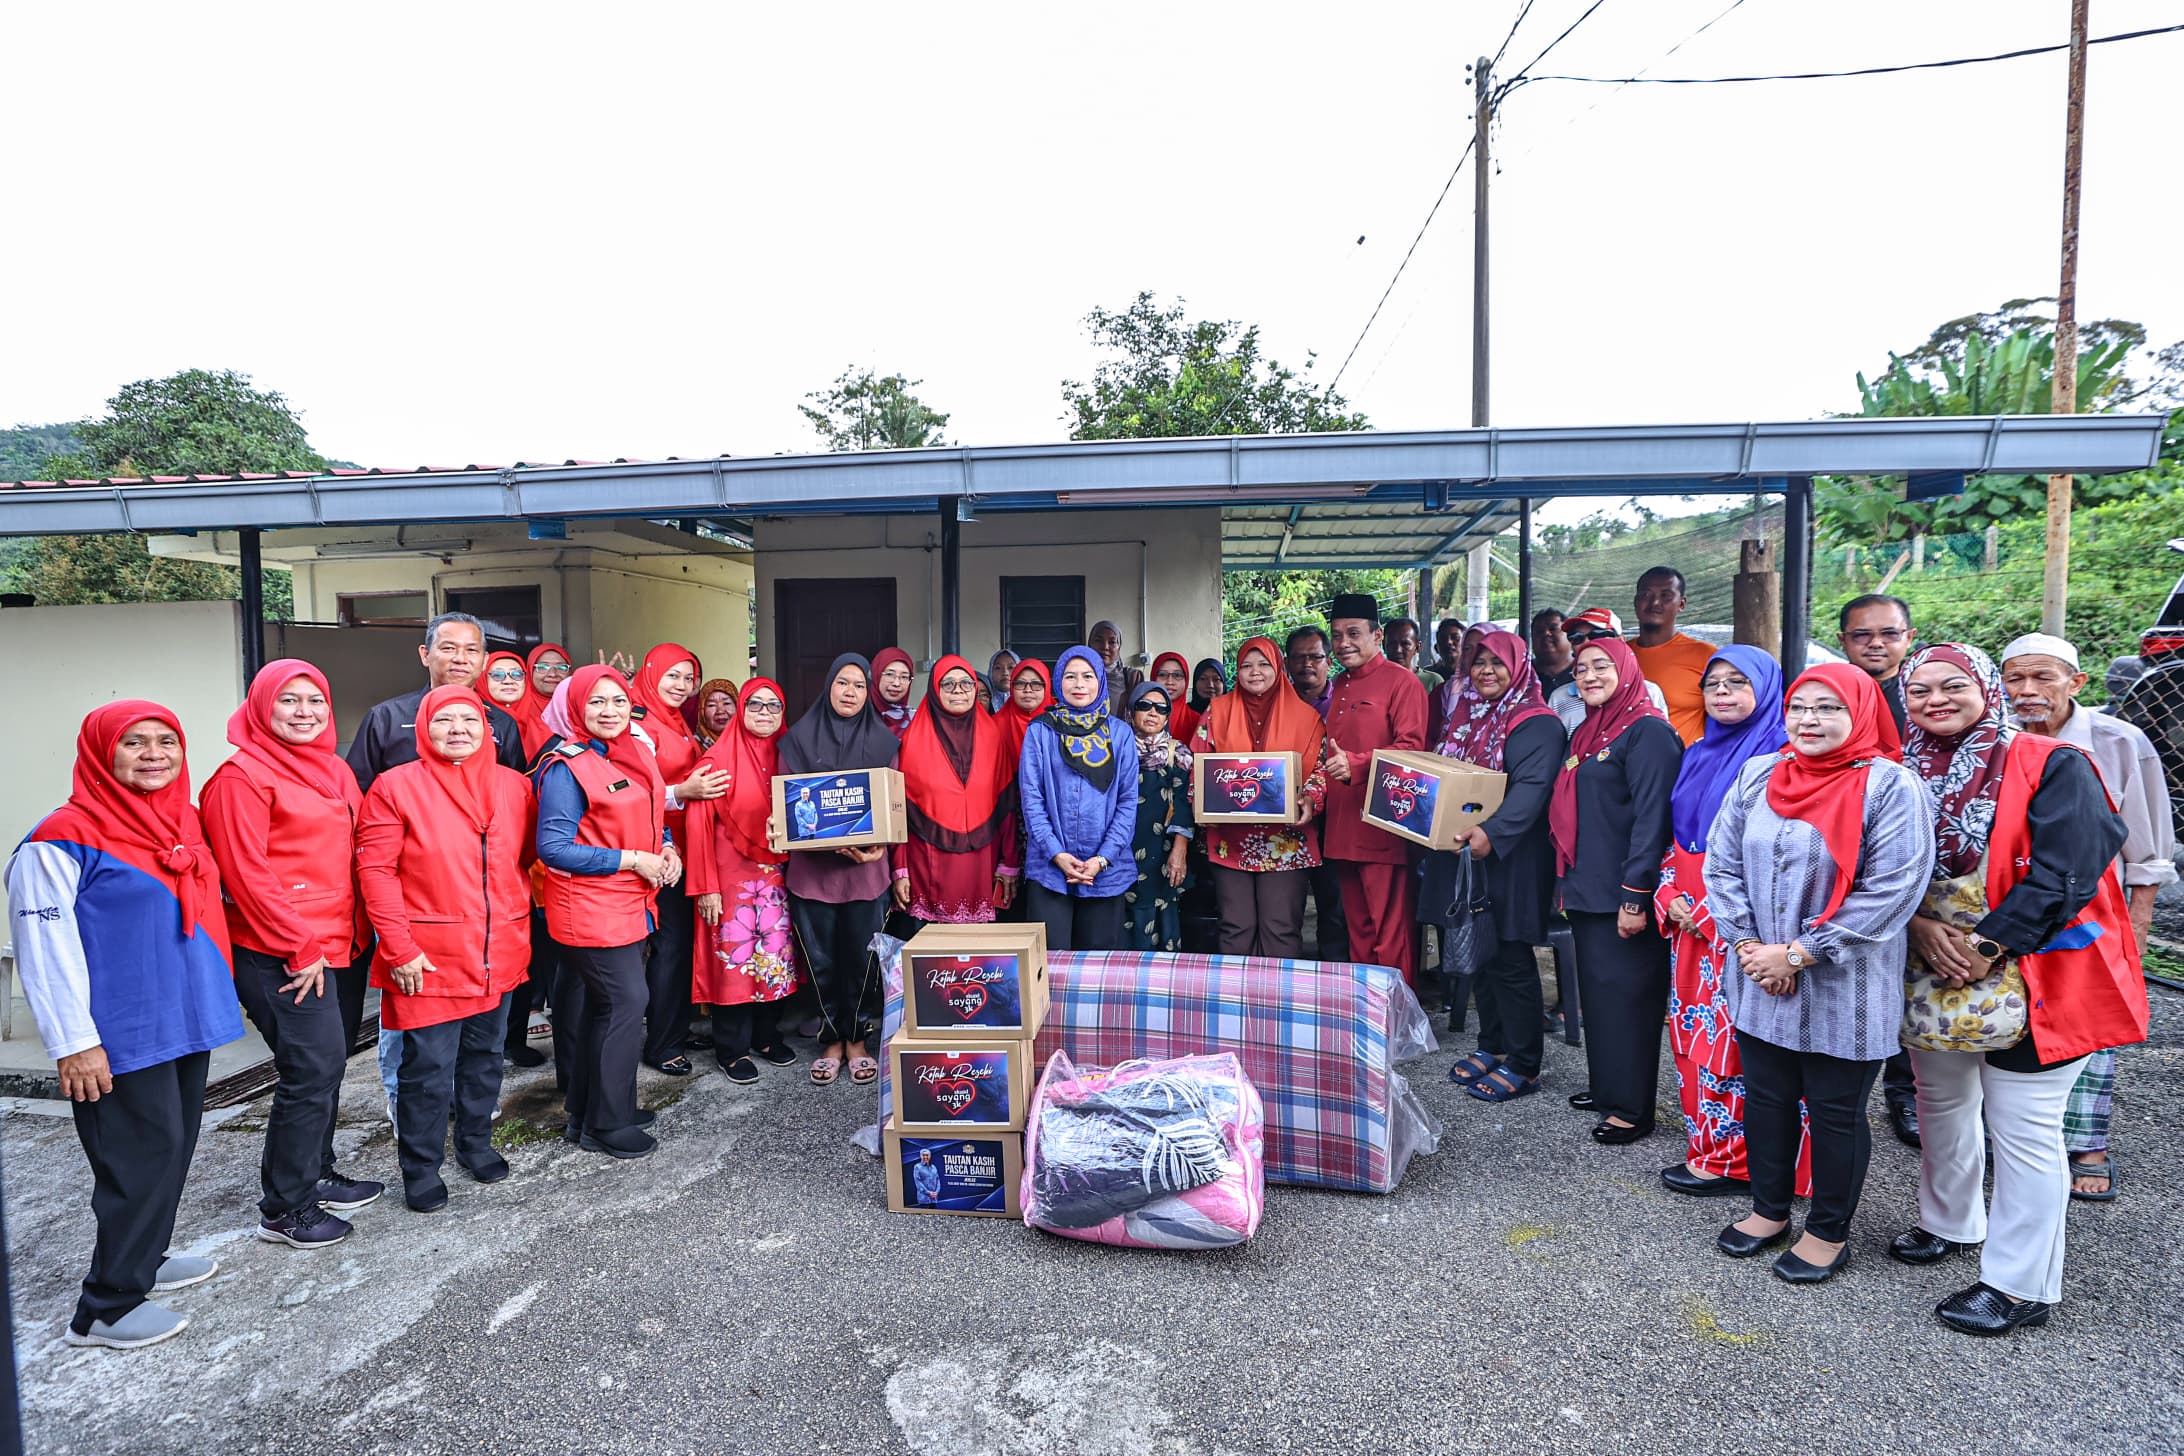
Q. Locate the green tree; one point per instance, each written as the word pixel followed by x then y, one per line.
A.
pixel 1167 376
pixel 25 449
pixel 2002 362
pixel 194 423
pixel 862 410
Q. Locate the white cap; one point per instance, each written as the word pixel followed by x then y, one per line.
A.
pixel 2045 646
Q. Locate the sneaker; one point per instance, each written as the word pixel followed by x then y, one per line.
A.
pixel 345 1195
pixel 742 1071
pixel 147 1324
pixel 390 1113
pixel 180 1271
pixel 310 1227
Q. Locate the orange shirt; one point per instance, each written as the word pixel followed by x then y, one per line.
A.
pixel 1676 668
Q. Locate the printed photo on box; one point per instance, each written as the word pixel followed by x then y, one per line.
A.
pixel 953 1175
pixel 828 806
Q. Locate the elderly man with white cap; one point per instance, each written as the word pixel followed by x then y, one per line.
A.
pixel 2042 677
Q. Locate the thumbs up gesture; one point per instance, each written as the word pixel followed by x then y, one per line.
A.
pixel 1337 761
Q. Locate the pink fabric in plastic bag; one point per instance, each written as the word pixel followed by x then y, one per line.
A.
pixel 1213 1090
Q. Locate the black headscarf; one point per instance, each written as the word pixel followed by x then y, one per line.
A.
pixel 823 741
pixel 1220 668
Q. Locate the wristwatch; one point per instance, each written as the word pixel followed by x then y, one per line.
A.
pixel 1992 950
pixel 1797 959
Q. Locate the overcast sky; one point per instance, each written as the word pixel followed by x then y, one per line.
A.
pixel 484 233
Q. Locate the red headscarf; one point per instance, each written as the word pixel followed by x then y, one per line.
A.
pixel 1182 717
pixel 530 709
pixel 1828 790
pixel 958 775
pixel 623 748
pixel 1627 705
pixel 895 715
pixel 1477 731
pixel 461 781
pixel 1014 721
pixel 157 832
pixel 672 739
pixel 1277 721
pixel 315 765
pixel 751 763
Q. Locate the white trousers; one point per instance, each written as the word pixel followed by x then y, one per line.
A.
pixel 1963 1100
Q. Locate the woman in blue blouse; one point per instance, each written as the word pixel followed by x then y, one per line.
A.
pixel 1079 783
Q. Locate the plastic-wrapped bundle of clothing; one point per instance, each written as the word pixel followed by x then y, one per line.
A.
pixel 1146 1155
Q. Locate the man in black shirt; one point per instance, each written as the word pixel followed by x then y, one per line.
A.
pixel 1876 635
pixel 454 652
pixel 1553 658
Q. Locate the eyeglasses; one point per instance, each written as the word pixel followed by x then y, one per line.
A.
pixel 552 669
pixel 502 674
pixel 957 685
pixel 1867 635
pixel 1732 683
pixel 1819 712
pixel 1160 708
pixel 1306 659
pixel 762 705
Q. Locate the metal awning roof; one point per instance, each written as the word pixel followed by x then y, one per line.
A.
pixel 1334 537
pixel 1448 474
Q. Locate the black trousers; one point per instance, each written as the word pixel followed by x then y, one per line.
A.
pixel 570 1002
pixel 1262 911
pixel 667 976
pixel 531 995
pixel 1330 931
pixel 454 1067
pixel 309 1056
pixel 346 986
pixel 1075 922
pixel 1834 1093
pixel 1623 985
pixel 139 1139
pixel 602 1096
pixel 1506 986
pixel 739 1030
pixel 1897 1083
pixel 836 943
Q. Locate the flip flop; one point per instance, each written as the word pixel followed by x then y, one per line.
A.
pixel 825 1070
pixel 863 1070
pixel 2106 1169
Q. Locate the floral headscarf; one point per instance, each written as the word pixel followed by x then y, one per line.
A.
pixel 1963 772
pixel 1159 748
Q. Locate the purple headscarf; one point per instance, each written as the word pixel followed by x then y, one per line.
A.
pixel 1711 765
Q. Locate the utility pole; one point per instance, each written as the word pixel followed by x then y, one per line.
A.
pixel 2055 586
pixel 1482 82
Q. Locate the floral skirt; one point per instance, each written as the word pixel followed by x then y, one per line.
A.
pixel 1709 1073
pixel 751 954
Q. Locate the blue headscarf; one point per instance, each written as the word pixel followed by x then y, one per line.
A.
pixel 1087 733
pixel 1711 765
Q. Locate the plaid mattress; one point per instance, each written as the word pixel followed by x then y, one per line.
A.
pixel 1320 1041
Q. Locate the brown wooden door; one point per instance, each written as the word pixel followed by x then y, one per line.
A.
pixel 817 619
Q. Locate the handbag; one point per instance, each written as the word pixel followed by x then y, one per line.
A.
pixel 1452 898
pixel 1987 1015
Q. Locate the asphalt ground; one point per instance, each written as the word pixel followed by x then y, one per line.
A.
pixel 744 1291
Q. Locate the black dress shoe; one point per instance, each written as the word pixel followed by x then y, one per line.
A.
pixel 523 1056
pixel 1738 1244
pixel 432 1200
pixel 626 1144
pixel 1678 1178
pixel 1981 1310
pixel 1793 1270
pixel 492 1172
pixel 1903 1119
pixel 645 1117
pixel 1583 1101
pixel 1917 1246
pixel 1615 1137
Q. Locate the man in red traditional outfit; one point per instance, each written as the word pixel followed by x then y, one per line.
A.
pixel 1376 704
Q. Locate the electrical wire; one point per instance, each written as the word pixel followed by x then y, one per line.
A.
pixel 1413 248
pixel 1527 10
pixel 1641 80
pixel 1526 69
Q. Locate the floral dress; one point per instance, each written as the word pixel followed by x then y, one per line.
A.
pixel 1152 906
pixel 751 955
pixel 1250 847
pixel 1709 1073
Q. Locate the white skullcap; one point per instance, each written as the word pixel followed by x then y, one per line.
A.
pixel 2044 645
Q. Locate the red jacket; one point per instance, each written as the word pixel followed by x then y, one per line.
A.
pixel 621 813
pixel 435 886
pixel 287 858
pixel 2085 987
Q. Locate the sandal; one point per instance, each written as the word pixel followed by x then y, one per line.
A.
pixel 825 1070
pixel 676 1067
pixel 2104 1169
pixel 863 1070
pixel 1502 1085
pixel 1470 1069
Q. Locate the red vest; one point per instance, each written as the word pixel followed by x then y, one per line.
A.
pixel 309 862
pixel 2084 985
pixel 436 886
pixel 623 812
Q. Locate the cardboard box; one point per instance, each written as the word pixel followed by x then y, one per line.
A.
pixel 974 982
pixel 979 1175
pixel 943 1087
pixel 1428 799
pixel 840 810
pixel 1247 788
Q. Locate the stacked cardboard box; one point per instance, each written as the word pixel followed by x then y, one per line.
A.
pixel 961 1069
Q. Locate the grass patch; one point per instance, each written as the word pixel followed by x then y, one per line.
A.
pixel 517 1132
pixel 1525 1233
pixel 2163 961
pixel 1706 1327
pixel 240 1124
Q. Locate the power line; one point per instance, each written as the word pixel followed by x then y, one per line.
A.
pixel 1527 10
pixel 1558 40
pixel 1413 248
pixel 1642 80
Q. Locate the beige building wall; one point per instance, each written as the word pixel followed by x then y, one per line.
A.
pixel 1155 573
pixel 186 655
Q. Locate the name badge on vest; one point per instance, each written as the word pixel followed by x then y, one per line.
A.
pixel 617 786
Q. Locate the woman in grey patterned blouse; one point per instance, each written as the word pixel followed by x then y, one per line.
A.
pixel 1814 867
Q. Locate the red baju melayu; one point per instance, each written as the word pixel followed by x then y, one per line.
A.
pixel 1376 705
